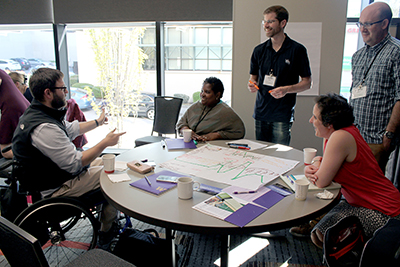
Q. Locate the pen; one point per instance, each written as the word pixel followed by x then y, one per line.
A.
pixel 240 147
pixel 236 144
pixel 255 85
pixel 293 177
pixel 291 181
pixel 244 192
pixel 147 179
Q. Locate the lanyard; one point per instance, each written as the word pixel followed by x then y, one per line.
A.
pixel 372 62
pixel 201 118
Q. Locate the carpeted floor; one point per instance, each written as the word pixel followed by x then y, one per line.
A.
pixel 203 250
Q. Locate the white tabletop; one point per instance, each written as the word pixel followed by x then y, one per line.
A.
pixel 167 210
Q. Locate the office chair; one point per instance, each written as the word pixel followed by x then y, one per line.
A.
pixel 166 116
pixel 22 249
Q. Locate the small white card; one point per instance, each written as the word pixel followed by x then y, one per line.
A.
pixel 269 80
pixel 358 92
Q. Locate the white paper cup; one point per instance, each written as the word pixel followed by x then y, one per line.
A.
pixel 109 163
pixel 186 185
pixel 309 154
pixel 187 135
pixel 301 189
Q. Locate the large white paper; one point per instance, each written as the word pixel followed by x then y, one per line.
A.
pixel 230 166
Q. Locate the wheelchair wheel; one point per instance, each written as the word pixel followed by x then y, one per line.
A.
pixel 64 226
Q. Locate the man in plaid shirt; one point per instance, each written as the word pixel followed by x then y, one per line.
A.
pixel 375 91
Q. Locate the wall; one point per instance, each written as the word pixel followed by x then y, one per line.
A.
pixel 247 16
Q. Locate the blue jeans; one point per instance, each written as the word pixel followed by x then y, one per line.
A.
pixel 274 132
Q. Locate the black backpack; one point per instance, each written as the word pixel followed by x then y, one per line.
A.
pixel 344 243
pixel 143 248
pixel 383 249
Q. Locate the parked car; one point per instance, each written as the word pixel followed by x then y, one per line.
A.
pixel 9 65
pixel 36 63
pixel 80 97
pixel 146 106
pixel 23 62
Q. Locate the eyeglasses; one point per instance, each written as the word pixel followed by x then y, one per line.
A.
pixel 367 25
pixel 268 21
pixel 64 88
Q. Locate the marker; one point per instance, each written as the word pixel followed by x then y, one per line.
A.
pixel 195 142
pixel 240 147
pixel 162 143
pixel 244 192
pixel 291 175
pixel 255 85
pixel 290 180
pixel 269 91
pixel 147 179
pixel 236 144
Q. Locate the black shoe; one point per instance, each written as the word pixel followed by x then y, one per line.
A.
pixel 106 238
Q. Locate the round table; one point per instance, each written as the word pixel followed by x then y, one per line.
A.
pixel 168 211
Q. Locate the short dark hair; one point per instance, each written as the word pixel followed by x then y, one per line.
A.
pixel 216 85
pixel 335 110
pixel 42 79
pixel 280 11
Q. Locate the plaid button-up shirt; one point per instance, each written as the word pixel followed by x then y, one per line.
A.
pixel 372 112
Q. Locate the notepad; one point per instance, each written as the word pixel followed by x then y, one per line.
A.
pixel 156 187
pixel 333 185
pixel 179 144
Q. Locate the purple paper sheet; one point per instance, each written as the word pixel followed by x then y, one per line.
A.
pixel 179 144
pixel 156 187
pixel 269 199
pixel 245 214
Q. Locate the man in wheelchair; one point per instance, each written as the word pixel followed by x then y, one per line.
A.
pixel 42 144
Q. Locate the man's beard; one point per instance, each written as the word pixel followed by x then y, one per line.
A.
pixel 58 102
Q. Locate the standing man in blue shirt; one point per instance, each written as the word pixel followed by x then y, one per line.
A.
pixel 276 67
pixel 375 91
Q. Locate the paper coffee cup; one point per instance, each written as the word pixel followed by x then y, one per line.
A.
pixel 109 163
pixel 187 135
pixel 301 189
pixel 185 187
pixel 309 154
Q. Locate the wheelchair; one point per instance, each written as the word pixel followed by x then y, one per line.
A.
pixel 66 227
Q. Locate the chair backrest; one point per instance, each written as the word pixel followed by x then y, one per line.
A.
pixel 19 247
pixel 166 115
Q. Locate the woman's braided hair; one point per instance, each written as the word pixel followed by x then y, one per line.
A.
pixel 335 111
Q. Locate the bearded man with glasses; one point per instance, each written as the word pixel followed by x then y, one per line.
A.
pixel 375 90
pixel 42 143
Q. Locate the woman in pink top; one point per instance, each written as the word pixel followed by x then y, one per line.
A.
pixel 348 160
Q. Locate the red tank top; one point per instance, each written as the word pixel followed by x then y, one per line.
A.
pixel 363 183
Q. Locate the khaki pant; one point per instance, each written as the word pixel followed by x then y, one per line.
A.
pixel 87 182
pixel 381 155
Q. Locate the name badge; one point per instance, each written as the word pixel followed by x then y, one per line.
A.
pixel 358 92
pixel 269 80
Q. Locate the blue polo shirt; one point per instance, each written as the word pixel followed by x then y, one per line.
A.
pixel 288 65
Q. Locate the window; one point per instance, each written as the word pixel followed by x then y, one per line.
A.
pixel 353 39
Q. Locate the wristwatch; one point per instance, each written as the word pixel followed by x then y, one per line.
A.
pixel 389 135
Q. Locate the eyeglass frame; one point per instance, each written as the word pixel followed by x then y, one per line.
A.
pixel 64 88
pixel 270 21
pixel 368 25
